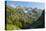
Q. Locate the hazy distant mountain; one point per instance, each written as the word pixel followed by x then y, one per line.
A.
pixel 34 12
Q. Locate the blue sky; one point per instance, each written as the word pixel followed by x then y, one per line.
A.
pixel 26 4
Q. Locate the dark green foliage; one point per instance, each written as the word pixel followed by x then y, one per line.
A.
pixel 16 19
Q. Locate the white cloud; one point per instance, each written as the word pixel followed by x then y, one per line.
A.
pixel 25 11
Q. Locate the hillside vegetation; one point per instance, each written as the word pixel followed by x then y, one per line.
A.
pixel 16 18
